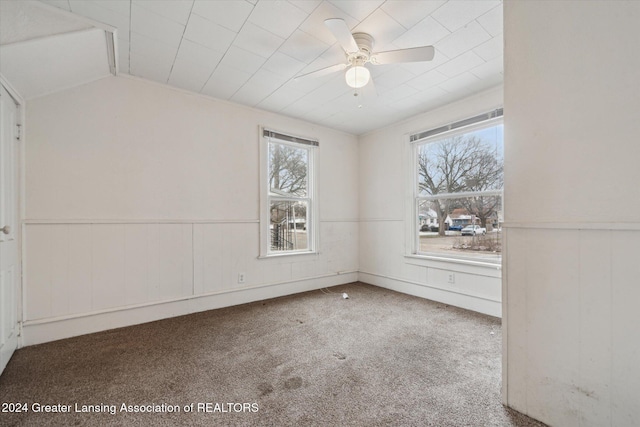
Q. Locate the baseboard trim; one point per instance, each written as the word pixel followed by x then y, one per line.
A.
pixel 46 330
pixel 470 302
pixel 53 329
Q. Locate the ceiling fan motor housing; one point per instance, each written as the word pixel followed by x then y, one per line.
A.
pixel 365 44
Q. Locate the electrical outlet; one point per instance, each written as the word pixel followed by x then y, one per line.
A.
pixel 452 278
pixel 240 277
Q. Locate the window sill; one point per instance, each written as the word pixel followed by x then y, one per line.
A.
pixel 442 261
pixel 288 254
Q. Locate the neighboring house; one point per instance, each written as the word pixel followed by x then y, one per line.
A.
pixel 300 223
pixel 430 218
pixel 461 216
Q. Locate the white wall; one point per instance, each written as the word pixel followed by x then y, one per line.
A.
pixel 142 202
pixel 572 203
pixel 383 217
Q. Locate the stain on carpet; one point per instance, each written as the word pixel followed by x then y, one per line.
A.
pixel 293 383
pixel 265 389
pixel 339 356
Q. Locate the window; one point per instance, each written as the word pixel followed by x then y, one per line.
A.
pixel 288 217
pixel 458 183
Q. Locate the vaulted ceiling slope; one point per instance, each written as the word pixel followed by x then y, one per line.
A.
pixel 44 49
pixel 248 51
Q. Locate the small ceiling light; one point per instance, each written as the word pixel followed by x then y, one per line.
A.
pixel 357 76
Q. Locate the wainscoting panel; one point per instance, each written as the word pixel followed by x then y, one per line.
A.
pixel 222 252
pixel 140 271
pixel 384 262
pixel 79 268
pixel 565 341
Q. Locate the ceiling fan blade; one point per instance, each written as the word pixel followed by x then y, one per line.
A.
pixel 342 33
pixel 321 72
pixel 414 54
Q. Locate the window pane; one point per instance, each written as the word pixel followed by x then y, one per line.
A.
pixel 288 168
pixel 469 227
pixel 468 162
pixel 288 226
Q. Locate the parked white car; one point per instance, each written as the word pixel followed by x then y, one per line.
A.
pixel 472 230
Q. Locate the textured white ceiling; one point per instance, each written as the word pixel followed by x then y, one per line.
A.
pixel 248 51
pixel 27 20
pixel 45 50
pixel 39 67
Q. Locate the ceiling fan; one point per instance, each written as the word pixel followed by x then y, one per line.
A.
pixel 358 48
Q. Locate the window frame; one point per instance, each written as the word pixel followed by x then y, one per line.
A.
pixel 494 118
pixel 266 198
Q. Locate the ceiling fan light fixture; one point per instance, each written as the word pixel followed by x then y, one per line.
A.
pixel 357 76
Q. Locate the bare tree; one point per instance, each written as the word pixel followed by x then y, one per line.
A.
pixel 288 169
pixel 488 174
pixel 287 177
pixel 457 164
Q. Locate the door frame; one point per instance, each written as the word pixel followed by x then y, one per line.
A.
pixel 20 120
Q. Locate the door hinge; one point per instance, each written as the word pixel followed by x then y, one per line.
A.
pixel 18 132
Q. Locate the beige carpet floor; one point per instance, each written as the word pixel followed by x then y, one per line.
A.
pixel 379 358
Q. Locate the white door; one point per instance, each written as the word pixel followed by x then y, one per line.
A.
pixel 9 259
